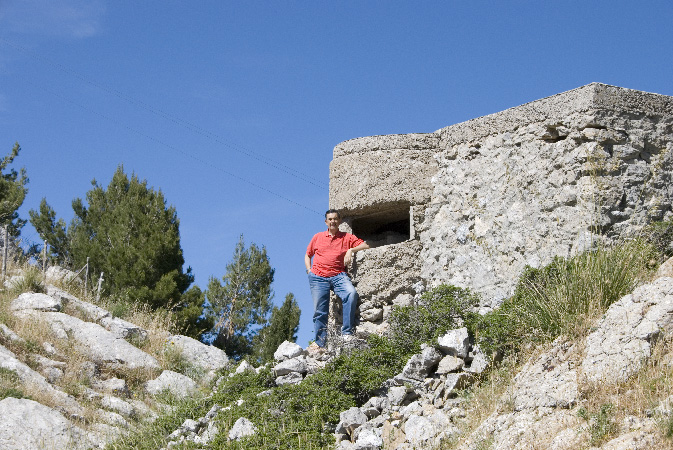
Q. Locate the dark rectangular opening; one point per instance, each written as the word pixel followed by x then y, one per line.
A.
pixel 391 226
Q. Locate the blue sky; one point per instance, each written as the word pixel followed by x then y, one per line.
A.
pixel 232 109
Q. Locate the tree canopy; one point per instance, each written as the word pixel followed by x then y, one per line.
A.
pixel 12 192
pixel 283 326
pixel 129 233
pixel 241 301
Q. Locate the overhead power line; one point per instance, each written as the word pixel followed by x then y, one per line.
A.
pixel 171 147
pixel 171 118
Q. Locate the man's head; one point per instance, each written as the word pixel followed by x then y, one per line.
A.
pixel 332 220
pixel 332 211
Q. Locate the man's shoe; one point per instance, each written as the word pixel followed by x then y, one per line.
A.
pixel 348 338
pixel 315 349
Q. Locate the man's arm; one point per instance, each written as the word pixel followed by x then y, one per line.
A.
pixel 307 262
pixel 351 251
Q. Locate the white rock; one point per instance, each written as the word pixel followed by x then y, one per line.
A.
pixel 207 357
pixel 27 424
pixel 122 328
pixel 419 430
pixel 449 364
pixel 242 428
pixel 28 376
pixel 244 366
pixel 173 382
pixel 290 378
pixel 418 367
pixel 291 365
pixel 97 343
pixel 351 419
pixel 288 350
pixel 455 343
pixel 117 405
pixel 368 440
pixel 37 302
pixel 623 338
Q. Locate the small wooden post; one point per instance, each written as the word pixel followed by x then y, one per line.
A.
pixel 4 254
pixel 86 276
pixel 44 260
pixel 100 282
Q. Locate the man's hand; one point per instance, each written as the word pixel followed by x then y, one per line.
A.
pixel 351 251
pixel 348 257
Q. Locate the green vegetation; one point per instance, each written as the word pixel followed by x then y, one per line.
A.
pixel 283 326
pixel 151 436
pixel 30 281
pixel 601 423
pixel 9 381
pixel 437 311
pixel 241 303
pixel 303 416
pixel 660 235
pixel 12 192
pixel 128 233
pixel 563 297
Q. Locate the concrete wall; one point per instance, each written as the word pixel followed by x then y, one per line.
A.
pixel 488 196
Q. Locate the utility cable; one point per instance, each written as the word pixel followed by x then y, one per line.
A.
pixel 171 118
pixel 171 147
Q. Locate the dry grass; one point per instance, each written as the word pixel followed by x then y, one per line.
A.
pixel 487 396
pixel 641 394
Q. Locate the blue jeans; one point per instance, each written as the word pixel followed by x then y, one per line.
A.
pixel 343 288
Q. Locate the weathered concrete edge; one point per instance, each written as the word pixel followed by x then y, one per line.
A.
pixel 593 96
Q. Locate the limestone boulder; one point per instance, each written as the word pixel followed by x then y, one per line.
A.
pixel 290 378
pixel 173 382
pixel 98 344
pixel 291 365
pixel 288 350
pixel 350 420
pixel 29 377
pixel 29 425
pixel 418 367
pixel 242 428
pixel 35 301
pixel 623 338
pixel 207 357
pixel 455 343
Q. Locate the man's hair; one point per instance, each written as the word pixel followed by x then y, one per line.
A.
pixel 332 211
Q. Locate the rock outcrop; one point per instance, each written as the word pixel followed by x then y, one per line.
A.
pixel 102 352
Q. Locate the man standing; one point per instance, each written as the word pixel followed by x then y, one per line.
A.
pixel 332 251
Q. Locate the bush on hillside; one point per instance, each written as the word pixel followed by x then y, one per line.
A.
pixel 660 235
pixel 564 297
pixel 437 311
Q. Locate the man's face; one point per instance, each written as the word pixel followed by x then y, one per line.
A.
pixel 333 221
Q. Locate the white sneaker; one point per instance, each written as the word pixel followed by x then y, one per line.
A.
pixel 348 338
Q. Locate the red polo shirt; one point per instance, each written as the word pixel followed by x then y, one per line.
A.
pixel 328 252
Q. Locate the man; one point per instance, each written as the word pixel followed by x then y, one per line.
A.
pixel 332 251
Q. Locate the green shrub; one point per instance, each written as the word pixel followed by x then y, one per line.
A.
pixel 564 296
pixel 150 436
pixel 32 280
pixel 436 312
pixel 601 423
pixel 9 384
pixel 660 235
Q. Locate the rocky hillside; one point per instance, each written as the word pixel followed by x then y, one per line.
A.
pixel 75 376
pixel 72 375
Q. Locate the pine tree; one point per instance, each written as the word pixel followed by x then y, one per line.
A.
pixel 189 314
pixel 242 301
pixel 53 231
pixel 12 192
pixel 131 236
pixel 283 326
